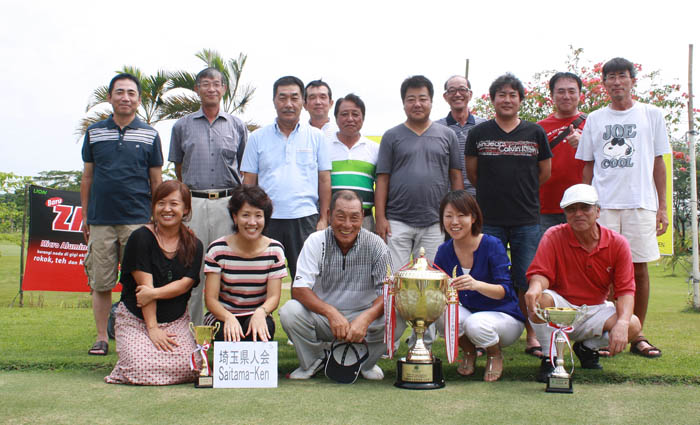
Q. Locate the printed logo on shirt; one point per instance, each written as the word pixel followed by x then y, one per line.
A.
pixel 617 148
pixel 509 148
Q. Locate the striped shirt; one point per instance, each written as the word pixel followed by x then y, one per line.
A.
pixel 349 282
pixel 244 280
pixel 353 168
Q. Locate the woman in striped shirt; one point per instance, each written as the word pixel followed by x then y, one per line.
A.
pixel 244 271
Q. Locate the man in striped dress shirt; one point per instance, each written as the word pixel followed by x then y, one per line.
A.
pixel 337 292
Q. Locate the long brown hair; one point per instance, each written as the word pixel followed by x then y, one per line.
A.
pixel 187 246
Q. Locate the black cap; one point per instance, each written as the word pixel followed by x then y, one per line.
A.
pixel 345 360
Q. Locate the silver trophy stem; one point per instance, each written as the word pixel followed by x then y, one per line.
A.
pixel 560 343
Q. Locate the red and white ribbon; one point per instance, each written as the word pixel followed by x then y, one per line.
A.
pixel 205 361
pixel 451 330
pixel 565 330
pixel 389 316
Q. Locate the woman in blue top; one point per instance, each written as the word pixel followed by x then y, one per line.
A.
pixel 489 316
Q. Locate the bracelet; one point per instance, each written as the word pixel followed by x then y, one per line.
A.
pixel 264 311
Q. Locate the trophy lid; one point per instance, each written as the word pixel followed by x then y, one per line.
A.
pixel 422 269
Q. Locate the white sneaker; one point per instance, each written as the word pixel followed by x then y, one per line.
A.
pixel 289 342
pixel 300 373
pixel 374 374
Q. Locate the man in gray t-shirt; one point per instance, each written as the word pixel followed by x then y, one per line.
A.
pixel 458 93
pixel 418 163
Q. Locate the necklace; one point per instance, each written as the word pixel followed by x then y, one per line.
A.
pixel 161 242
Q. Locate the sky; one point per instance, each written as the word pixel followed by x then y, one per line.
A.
pixel 54 54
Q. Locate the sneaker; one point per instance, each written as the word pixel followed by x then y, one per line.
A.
pixel 300 373
pixel 374 374
pixel 545 371
pixel 589 358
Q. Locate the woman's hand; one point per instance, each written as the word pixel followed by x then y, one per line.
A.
pixel 144 295
pixel 258 326
pixel 162 340
pixel 232 329
pixel 466 282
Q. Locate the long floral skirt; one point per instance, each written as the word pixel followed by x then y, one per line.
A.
pixel 141 363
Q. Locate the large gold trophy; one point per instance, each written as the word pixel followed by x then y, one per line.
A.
pixel 203 336
pixel 420 300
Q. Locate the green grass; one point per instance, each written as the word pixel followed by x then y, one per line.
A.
pixel 43 348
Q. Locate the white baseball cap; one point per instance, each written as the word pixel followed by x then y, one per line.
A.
pixel 583 193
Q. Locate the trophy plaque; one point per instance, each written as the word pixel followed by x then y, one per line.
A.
pixel 203 336
pixel 420 293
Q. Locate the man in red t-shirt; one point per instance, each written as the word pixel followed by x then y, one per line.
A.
pixel 563 130
pixel 575 264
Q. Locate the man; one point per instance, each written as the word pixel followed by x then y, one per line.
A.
pixel 575 265
pixel 337 292
pixel 353 157
pixel 507 160
pixel 206 147
pixel 318 100
pixel 417 165
pixel 563 129
pixel 122 168
pixel 289 160
pixel 458 93
pixel 623 146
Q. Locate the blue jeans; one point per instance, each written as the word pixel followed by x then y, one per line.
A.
pixel 550 220
pixel 523 241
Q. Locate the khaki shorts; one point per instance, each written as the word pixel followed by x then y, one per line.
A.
pixel 591 324
pixel 638 226
pixel 104 253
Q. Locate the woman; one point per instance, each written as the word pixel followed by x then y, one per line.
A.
pixel 488 313
pixel 161 265
pixel 245 271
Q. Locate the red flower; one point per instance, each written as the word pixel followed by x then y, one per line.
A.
pixel 682 169
pixel 678 155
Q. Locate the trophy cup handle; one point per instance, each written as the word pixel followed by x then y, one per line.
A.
pixel 581 311
pixel 540 313
pixel 217 325
pixel 192 329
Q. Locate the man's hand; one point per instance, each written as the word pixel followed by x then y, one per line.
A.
pixel 322 223
pixel 339 325
pixel 358 329
pixel 618 337
pixel 161 339
pixel 661 221
pixel 86 231
pixel 574 136
pixel 532 299
pixel 382 228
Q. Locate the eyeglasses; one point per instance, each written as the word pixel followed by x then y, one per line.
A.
pixel 460 90
pixel 206 84
pixel 617 77
pixel 572 209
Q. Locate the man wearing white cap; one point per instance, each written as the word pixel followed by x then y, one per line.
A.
pixel 575 264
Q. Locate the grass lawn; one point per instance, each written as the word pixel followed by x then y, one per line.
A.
pixel 46 376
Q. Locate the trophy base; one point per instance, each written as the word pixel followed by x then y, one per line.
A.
pixel 204 382
pixel 419 376
pixel 559 385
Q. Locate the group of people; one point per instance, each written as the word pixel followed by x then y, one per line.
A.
pixel 567 197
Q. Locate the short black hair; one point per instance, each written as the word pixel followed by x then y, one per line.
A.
pixel 124 76
pixel 210 73
pixel 416 82
pixel 347 195
pixel 507 79
pixel 288 80
pixel 465 203
pixel 564 75
pixel 255 196
pixel 318 83
pixel 619 65
pixel 350 98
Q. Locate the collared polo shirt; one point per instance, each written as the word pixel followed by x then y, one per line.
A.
pixel 353 168
pixel 121 186
pixel 462 131
pixel 288 167
pixel 580 276
pixel 210 154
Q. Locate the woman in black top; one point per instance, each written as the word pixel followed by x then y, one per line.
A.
pixel 160 267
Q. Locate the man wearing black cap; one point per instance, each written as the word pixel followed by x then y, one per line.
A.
pixel 337 291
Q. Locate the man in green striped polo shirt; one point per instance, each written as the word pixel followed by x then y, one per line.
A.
pixel 353 156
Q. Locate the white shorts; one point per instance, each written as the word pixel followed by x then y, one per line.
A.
pixel 590 324
pixel 638 226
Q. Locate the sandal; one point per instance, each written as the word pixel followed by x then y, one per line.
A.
pixel 493 374
pixel 644 352
pixel 466 366
pixel 536 349
pixel 99 348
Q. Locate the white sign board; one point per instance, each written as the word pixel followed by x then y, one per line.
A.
pixel 245 364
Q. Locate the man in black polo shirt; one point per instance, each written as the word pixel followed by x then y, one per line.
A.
pixel 122 167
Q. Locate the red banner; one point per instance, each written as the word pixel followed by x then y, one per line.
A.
pixel 56 251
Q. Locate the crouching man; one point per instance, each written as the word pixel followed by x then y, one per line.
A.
pixel 575 264
pixel 337 292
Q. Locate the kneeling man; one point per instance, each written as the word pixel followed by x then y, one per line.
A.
pixel 576 263
pixel 337 292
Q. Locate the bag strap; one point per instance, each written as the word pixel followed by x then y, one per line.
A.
pixel 581 118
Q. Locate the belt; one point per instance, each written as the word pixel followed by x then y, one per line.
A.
pixel 212 195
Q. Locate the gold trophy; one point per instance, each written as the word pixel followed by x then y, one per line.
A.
pixel 203 336
pixel 563 320
pixel 420 300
